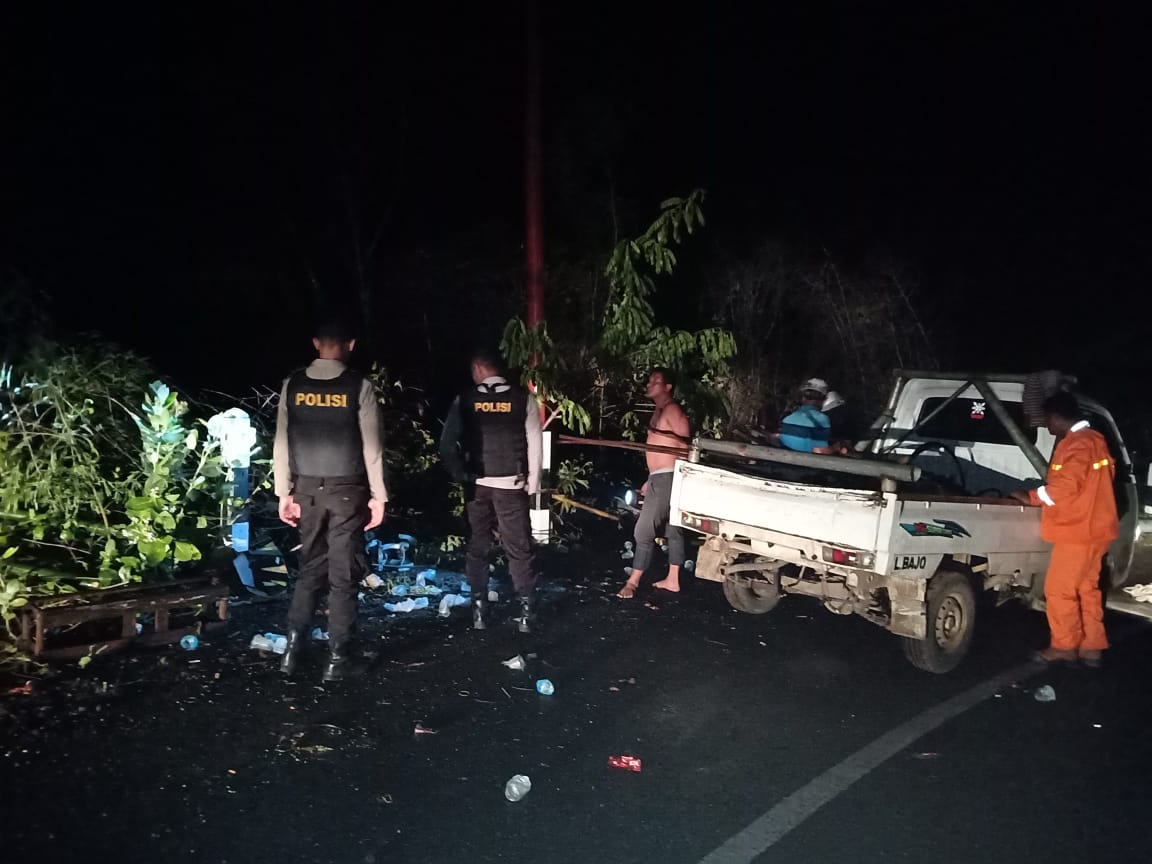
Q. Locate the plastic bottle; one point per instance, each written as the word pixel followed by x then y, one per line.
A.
pixel 544 687
pixel 517 787
pixel 190 642
pixel 260 642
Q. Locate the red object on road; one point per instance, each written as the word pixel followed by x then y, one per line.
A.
pixel 628 763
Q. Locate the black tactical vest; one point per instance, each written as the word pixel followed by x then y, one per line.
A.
pixel 324 426
pixel 495 443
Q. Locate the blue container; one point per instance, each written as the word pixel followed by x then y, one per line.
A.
pixel 544 687
pixel 190 642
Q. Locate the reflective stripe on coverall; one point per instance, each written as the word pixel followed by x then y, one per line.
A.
pixel 1079 520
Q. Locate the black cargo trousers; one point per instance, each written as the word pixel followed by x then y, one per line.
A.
pixel 333 513
pixel 505 510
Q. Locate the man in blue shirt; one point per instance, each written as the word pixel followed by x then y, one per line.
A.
pixel 807 429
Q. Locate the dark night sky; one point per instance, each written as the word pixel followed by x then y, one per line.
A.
pixel 163 167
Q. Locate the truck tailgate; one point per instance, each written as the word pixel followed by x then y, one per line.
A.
pixel 846 517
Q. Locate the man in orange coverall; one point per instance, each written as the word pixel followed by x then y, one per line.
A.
pixel 1079 520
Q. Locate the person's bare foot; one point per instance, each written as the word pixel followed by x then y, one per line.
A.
pixel 668 585
pixel 628 591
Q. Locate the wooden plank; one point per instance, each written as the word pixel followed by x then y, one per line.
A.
pixel 74 614
pixel 161 625
pixel 39 645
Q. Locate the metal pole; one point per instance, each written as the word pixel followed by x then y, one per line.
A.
pixel 533 175
pixel 1017 436
pixel 842 464
pixel 541 514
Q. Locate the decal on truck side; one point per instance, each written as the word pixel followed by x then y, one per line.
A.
pixel 910 562
pixel 938 528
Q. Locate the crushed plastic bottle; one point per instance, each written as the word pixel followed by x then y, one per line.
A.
pixel 493 596
pixel 1045 694
pixel 545 687
pixel 450 600
pixel 628 763
pixel 190 642
pixel 517 787
pixel 319 635
pixel 273 642
pixel 689 566
pixel 409 605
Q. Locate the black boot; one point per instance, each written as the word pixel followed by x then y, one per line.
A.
pixel 339 659
pixel 292 654
pixel 527 621
pixel 479 611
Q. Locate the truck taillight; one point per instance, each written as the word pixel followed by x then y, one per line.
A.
pixel 700 523
pixel 851 557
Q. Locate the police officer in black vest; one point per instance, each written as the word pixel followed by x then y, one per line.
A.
pixel 492 444
pixel 328 464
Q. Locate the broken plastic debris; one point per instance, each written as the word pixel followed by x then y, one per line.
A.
pixel 1140 593
pixel 1045 694
pixel 409 605
pixel 517 787
pixel 319 635
pixel 516 662
pixel 627 554
pixel 628 763
pixel 426 576
pixel 273 642
pixel 545 687
pixel 450 600
pixel 24 689
pixel 493 596
pixel 373 581
pixel 421 729
pixel 190 642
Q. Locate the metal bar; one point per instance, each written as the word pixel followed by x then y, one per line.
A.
pixel 842 464
pixel 929 418
pixel 1014 432
pixel 564 499
pixel 1005 377
pixel 623 445
pixel 881 422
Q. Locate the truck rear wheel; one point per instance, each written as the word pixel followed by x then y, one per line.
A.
pixel 951 621
pixel 757 594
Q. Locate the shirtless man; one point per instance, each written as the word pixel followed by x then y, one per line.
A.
pixel 667 428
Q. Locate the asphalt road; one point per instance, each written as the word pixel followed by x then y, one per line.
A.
pixel 798 736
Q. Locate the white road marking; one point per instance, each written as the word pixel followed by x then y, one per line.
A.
pixel 793 810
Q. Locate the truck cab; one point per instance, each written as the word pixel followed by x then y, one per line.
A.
pixel 905 530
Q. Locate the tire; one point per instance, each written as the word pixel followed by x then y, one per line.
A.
pixel 951 623
pixel 753 594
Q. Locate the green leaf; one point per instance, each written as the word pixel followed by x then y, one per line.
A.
pixel 201 521
pixel 186 552
pixel 137 504
pixel 154 551
pixel 166 520
pixel 85 660
pixel 10 551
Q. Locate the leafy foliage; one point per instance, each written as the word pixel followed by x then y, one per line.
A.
pixel 92 493
pixel 595 375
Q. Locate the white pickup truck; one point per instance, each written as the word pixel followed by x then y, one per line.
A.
pixel 907 529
